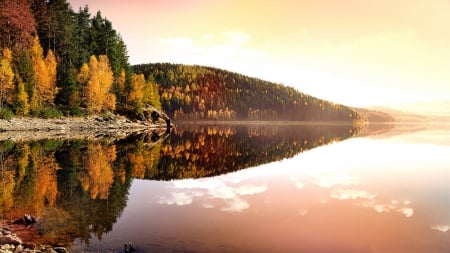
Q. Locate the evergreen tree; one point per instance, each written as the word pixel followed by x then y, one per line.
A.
pixel 57 34
pixel 82 36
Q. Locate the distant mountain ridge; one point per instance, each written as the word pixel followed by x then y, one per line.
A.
pixel 206 93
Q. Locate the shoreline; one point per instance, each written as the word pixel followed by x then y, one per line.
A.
pixel 89 127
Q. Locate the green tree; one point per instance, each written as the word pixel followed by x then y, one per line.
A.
pixel 22 105
pixel 56 32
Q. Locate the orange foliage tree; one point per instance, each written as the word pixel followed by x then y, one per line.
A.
pixel 96 80
pixel 44 88
pixel 136 95
pixel 99 175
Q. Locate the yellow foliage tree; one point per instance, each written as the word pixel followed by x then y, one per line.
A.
pixel 49 91
pixel 23 107
pixel 44 88
pixel 6 78
pixel 136 95
pixel 99 176
pixel 151 94
pixel 120 86
pixel 97 85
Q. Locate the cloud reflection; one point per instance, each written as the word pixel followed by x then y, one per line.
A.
pixel 441 228
pixel 394 205
pixel 330 181
pixel 369 200
pixel 297 182
pixel 184 192
pixel 351 194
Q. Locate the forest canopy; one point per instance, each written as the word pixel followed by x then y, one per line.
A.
pixel 205 93
pixel 55 60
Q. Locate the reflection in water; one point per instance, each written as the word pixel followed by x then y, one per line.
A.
pixel 200 151
pixel 229 189
pixel 361 195
pixel 79 188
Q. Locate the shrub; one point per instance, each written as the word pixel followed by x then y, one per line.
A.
pixel 51 112
pixel 6 113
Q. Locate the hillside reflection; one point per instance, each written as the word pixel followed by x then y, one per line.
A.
pixel 79 188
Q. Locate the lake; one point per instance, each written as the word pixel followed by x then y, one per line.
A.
pixel 237 188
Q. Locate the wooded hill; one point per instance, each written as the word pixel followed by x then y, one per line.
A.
pixel 205 93
pixel 56 61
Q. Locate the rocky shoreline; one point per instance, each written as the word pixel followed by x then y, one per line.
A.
pixel 10 242
pixel 17 238
pixel 90 127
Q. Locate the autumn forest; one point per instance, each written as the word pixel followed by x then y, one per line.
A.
pixel 56 61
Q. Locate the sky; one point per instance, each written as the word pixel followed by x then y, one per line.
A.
pixel 355 52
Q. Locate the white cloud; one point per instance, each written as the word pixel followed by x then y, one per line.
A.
pixel 329 181
pixel 351 194
pixel 441 228
pixel 222 192
pixel 237 37
pixel 207 205
pixel 229 50
pixel 177 198
pixel 393 205
pixel 236 205
pixel 407 211
pixel 177 43
pixel 297 182
pixel 250 190
pixel 185 191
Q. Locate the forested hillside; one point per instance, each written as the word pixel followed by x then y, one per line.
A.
pixel 54 60
pixel 199 93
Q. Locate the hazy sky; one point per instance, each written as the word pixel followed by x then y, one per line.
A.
pixel 355 52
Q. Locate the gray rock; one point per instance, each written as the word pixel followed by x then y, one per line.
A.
pixel 10 239
pixel 60 250
pixel 5 231
pixel 19 249
pixel 5 247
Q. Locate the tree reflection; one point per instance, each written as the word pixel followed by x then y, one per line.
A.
pixel 195 151
pixel 79 188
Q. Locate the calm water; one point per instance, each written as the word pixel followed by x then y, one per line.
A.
pixel 277 188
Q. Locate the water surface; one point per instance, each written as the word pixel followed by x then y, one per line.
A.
pixel 278 188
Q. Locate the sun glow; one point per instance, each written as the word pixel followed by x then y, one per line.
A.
pixel 358 53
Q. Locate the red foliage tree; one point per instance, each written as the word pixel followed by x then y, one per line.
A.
pixel 17 24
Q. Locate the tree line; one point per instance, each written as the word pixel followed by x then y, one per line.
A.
pixel 58 61
pixel 205 93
